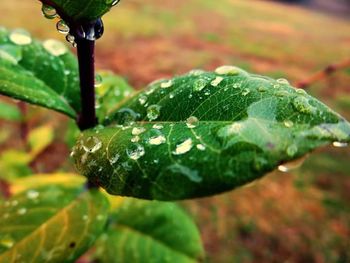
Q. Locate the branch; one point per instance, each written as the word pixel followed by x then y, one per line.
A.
pixel 323 74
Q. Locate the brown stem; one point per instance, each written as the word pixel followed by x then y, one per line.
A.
pixel 326 72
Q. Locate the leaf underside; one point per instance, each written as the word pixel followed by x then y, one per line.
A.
pixel 51 224
pixel 44 74
pixel 143 231
pixel 204 133
pixel 87 10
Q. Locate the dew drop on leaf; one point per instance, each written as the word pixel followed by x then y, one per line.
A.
pixel 183 147
pixel 292 165
pixel 22 211
pixel 192 122
pixel 288 123
pixel 156 138
pixel 143 100
pixel 49 12
pixel 199 84
pixel 20 37
pixel 301 91
pixel 283 81
pixel 114 159
pixel 153 112
pixel 55 48
pixel 166 84
pixel 245 92
pixel 62 27
pixel 92 144
pixel 200 147
pixel 6 241
pixel 217 81
pixel 292 150
pixel 135 151
pixel 32 194
pixel 158 126
pixel 138 130
pixel 227 70
pixel 302 105
pixel 340 144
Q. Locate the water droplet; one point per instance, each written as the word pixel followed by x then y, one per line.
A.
pixel 22 211
pixel 71 39
pixel 301 91
pixel 171 95
pixel 62 27
pixel 192 122
pixel 288 123
pixel 283 81
pixel 100 217
pixel 135 139
pixel 340 144
pixel 200 147
pixel 302 105
pixel 227 70
pixel 143 100
pixel 7 241
pixel 183 147
pixel 98 80
pixel 158 126
pixel 199 84
pixel 92 144
pixel 166 84
pixel 217 81
pixel 85 217
pixel 14 203
pixel 291 165
pixel 196 72
pixel 292 150
pixel 245 92
pixel 55 47
pixel 91 30
pixel 20 37
pixel 32 194
pixel 138 130
pixel 114 159
pixel 135 151
pixel 153 112
pixel 49 12
pixel 262 89
pixel 157 138
pixel 126 116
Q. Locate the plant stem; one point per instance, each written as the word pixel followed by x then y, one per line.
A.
pixel 86 57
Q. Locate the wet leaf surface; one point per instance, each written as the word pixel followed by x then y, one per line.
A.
pixel 204 133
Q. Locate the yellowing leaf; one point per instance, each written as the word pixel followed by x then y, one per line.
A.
pixel 40 138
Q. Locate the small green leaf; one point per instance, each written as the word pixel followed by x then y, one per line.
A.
pixel 76 10
pixel 144 231
pixel 51 224
pixel 110 92
pixel 9 112
pixel 204 133
pixel 44 74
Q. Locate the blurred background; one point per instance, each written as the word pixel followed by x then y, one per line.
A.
pixel 299 216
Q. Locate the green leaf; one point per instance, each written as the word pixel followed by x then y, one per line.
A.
pixel 144 231
pixel 9 112
pixel 204 133
pixel 44 74
pixel 76 10
pixel 51 224
pixel 111 91
pixel 14 164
